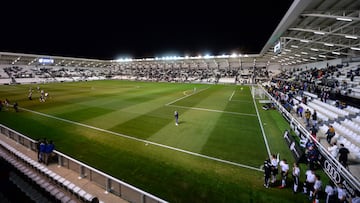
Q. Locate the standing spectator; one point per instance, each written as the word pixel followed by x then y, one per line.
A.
pixel 48 151
pixel 176 114
pixel 313 132
pixel 296 176
pixel 37 144
pixel 42 148
pixel 314 118
pixel 267 172
pixel 307 117
pixel 343 158
pixel 330 133
pixel 333 149
pixel 300 111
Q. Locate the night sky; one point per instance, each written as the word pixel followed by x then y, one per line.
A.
pixel 105 30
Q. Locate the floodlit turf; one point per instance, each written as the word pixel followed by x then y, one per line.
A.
pixel 95 121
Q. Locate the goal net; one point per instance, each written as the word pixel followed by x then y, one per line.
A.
pixel 257 92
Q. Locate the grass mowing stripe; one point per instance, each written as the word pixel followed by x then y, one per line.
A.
pixel 212 110
pixel 145 141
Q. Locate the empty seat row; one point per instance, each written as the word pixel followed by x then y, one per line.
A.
pixel 39 168
pixel 36 178
pixel 345 132
pixel 352 110
pixel 329 107
pixel 351 125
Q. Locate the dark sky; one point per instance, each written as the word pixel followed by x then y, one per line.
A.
pixel 109 30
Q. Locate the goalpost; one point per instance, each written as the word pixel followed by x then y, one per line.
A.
pixel 257 92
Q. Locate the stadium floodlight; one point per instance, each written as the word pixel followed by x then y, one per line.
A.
pixel 305 59
pixel 294 46
pixel 313 58
pixel 288 50
pixel 313 49
pixel 344 19
pixel 304 40
pixel 207 56
pixel 328 44
pixel 233 55
pixel 319 33
pixel 322 56
pixel 335 52
pixel 355 48
pixel 350 37
pixel 304 52
pixel 297 55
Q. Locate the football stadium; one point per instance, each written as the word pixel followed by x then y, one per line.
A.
pixel 282 125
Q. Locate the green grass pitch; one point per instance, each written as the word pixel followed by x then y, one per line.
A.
pixel 127 129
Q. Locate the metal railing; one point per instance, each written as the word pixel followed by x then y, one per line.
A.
pixel 103 180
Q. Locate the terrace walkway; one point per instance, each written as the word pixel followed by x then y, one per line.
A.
pixel 354 167
pixel 73 177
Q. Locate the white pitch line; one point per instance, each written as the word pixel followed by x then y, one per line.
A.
pixel 232 95
pixel 238 100
pixel 185 96
pixel 144 141
pixel 262 128
pixel 213 110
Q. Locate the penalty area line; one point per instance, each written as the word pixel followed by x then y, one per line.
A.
pixel 212 110
pixel 176 100
pixel 232 95
pixel 144 141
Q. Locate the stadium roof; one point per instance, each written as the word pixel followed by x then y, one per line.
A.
pixel 311 30
pixel 317 30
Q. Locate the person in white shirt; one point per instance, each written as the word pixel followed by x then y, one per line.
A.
pixel 284 172
pixel 309 181
pixel 341 193
pixel 274 167
pixel 296 176
pixel 333 149
pixel 330 192
pixel 316 189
